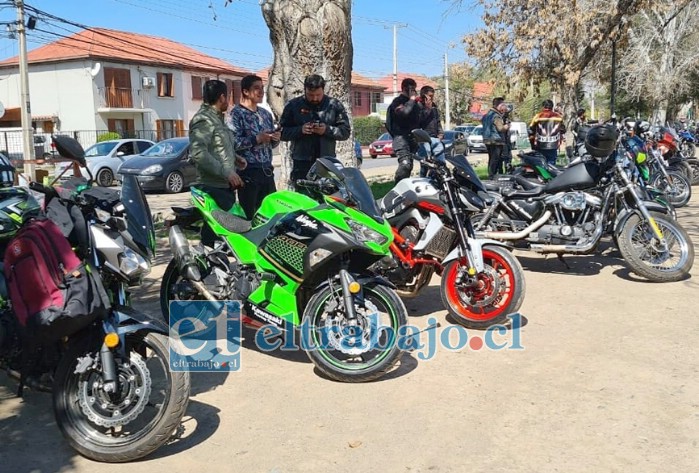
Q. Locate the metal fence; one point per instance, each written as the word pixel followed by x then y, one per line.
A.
pixel 12 146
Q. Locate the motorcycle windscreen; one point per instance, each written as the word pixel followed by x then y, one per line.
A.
pixel 140 222
pixel 460 162
pixel 358 188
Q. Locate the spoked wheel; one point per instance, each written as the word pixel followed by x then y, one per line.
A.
pixel 651 258
pixel 360 350
pixel 135 419
pixel 693 164
pixel 487 298
pixel 688 149
pixel 676 187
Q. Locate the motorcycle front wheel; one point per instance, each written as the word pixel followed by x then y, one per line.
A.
pixel 135 420
pixel 647 257
pixel 676 187
pixel 496 292
pixel 693 164
pixel 354 351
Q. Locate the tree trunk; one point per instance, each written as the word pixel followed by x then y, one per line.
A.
pixel 309 37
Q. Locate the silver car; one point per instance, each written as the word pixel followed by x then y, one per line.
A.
pixel 475 140
pixel 104 158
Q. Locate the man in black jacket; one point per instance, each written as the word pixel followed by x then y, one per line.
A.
pixel 430 121
pixel 313 123
pixel 402 117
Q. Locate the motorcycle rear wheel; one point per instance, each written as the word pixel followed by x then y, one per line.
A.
pixel 636 244
pixel 499 291
pixel 85 413
pixel 340 359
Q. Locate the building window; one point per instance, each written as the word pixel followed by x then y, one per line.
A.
pixel 357 100
pixel 375 98
pixel 169 129
pixel 198 87
pixel 166 86
pixel 125 127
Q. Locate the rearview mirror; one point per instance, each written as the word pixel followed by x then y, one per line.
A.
pixel 421 136
pixel 69 148
pixel 120 154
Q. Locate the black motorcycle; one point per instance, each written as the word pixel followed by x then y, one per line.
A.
pixel 114 396
pixel 571 213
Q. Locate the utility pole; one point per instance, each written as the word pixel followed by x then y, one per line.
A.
pixel 447 105
pixel 395 55
pixel 25 106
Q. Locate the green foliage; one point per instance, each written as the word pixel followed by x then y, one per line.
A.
pixel 110 135
pixel 367 129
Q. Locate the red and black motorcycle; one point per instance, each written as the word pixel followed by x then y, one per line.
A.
pixel 482 282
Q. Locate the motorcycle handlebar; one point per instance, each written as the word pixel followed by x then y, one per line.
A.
pixel 49 191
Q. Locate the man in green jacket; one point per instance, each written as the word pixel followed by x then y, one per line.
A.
pixel 211 146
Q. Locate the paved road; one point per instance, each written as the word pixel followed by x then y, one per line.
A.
pixel 607 381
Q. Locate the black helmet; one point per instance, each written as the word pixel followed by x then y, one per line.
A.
pixel 7 172
pixel 600 141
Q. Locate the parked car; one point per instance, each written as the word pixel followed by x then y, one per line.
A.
pixel 465 129
pixel 165 166
pixel 475 140
pixel 104 158
pixel 383 146
pixel 455 142
pixel 358 153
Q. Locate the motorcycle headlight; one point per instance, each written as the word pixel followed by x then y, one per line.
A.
pixel 132 264
pixel 155 168
pixel 364 234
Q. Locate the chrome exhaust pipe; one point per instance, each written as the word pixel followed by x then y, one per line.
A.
pixel 516 235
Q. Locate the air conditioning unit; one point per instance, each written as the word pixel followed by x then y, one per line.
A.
pixel 148 82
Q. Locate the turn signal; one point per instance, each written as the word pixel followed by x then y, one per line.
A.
pixel 354 287
pixel 111 340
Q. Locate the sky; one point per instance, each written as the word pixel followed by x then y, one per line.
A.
pixel 238 34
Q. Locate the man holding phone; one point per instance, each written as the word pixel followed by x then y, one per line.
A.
pixel 402 117
pixel 313 123
pixel 255 136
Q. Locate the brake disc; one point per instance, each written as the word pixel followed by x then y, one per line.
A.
pixel 351 337
pixel 135 387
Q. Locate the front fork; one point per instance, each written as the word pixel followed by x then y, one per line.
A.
pixel 463 232
pixel 629 187
pixel 348 289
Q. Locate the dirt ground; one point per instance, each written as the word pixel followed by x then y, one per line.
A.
pixel 607 381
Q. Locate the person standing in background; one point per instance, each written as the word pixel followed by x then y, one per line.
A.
pixel 255 137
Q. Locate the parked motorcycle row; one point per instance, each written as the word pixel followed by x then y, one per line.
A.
pixel 328 257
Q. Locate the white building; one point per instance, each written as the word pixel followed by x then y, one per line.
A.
pixel 102 80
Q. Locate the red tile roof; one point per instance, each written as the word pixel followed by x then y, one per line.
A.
pixel 122 46
pixel 387 81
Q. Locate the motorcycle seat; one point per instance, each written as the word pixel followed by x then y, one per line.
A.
pixel 230 222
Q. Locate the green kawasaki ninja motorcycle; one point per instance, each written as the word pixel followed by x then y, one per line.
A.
pixel 299 263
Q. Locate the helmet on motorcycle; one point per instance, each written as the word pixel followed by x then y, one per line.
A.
pixel 641 127
pixel 7 172
pixel 600 141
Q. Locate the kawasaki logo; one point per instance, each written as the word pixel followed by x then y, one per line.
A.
pixel 266 316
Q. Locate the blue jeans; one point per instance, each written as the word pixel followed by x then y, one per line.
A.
pixel 425 149
pixel 550 154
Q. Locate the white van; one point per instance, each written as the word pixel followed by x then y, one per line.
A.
pixel 519 133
